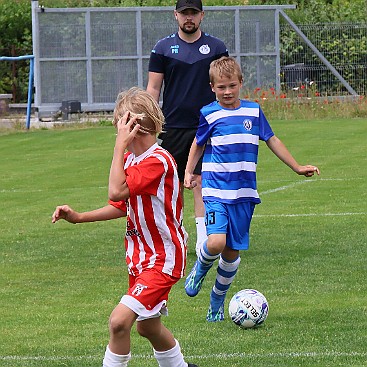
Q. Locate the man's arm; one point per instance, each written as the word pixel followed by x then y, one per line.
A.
pixel 155 82
pixel 281 151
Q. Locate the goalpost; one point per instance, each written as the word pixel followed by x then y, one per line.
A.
pixel 30 81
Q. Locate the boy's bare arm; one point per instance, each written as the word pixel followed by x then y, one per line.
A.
pixel 70 215
pixel 196 152
pixel 281 151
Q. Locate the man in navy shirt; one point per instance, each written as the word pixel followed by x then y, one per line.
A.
pixel 180 63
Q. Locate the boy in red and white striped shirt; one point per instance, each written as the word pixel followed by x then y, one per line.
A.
pixel 144 186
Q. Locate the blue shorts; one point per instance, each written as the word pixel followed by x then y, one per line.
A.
pixel 232 219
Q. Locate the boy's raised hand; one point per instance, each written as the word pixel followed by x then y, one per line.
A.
pixel 127 128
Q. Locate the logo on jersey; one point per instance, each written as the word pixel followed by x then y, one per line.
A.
pixel 138 289
pixel 247 124
pixel 204 49
pixel 132 232
pixel 175 49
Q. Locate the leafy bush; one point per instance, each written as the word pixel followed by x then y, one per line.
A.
pixel 15 40
pixel 321 11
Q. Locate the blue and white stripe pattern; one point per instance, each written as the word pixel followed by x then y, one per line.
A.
pixel 230 157
pixel 225 274
pixel 205 258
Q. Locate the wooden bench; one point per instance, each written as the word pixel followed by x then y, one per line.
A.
pixel 4 103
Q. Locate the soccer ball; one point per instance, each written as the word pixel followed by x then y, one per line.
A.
pixel 248 308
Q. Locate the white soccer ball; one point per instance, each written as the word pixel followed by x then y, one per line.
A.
pixel 248 308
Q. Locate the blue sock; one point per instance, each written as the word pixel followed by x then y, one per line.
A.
pixel 226 272
pixel 205 259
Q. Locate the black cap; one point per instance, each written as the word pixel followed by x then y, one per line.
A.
pixel 189 4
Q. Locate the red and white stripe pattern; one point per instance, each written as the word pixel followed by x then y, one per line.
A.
pixel 155 236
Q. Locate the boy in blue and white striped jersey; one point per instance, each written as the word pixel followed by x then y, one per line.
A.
pixel 229 134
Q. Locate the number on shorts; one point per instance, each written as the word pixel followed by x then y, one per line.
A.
pixel 209 218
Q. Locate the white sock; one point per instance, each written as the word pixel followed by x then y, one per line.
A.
pixel 201 236
pixel 170 358
pixel 115 360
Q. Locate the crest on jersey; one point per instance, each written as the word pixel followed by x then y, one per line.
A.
pixel 247 124
pixel 204 49
pixel 138 289
pixel 175 49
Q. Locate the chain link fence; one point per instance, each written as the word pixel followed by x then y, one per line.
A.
pixel 90 54
pixel 344 45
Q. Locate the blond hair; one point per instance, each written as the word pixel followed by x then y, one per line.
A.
pixel 225 66
pixel 142 105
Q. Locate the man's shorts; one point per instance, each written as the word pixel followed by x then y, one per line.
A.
pixel 232 219
pixel 178 142
pixel 148 293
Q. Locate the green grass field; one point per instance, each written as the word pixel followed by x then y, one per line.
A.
pixel 59 282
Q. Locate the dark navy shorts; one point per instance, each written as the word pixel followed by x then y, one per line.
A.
pixel 178 143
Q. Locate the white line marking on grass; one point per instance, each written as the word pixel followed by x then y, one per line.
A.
pixel 223 356
pixel 281 355
pixel 307 215
pixel 297 183
pixel 4 191
pixel 285 187
pixel 50 359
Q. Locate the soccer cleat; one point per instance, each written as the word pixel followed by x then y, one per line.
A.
pixel 215 315
pixel 191 365
pixel 216 309
pixel 195 279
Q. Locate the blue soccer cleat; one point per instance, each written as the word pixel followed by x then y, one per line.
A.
pixel 195 279
pixel 216 308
